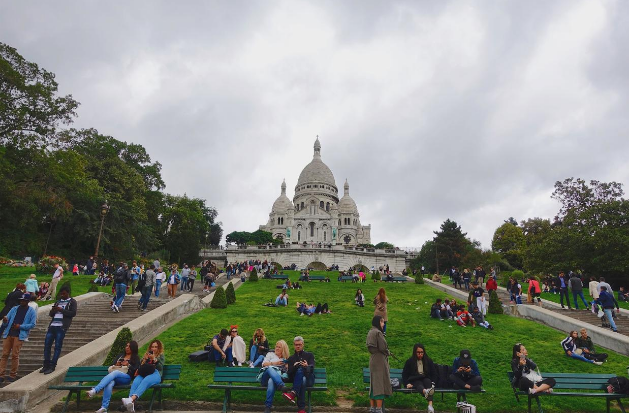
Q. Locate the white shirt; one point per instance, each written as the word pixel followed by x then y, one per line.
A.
pixel 161 276
pixel 271 357
pixel 603 283
pixel 58 272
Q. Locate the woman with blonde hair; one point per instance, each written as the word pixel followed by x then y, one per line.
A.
pixel 275 367
pixel 147 375
pixel 258 348
pixel 380 301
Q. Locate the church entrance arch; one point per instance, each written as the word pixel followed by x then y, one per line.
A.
pixel 278 266
pixel 360 267
pixel 317 265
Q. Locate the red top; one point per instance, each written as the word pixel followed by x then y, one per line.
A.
pixel 491 284
pixel 535 285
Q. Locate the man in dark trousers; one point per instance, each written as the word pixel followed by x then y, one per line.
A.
pixel 62 313
pixel 465 374
pixel 561 283
pixel 300 373
pixel 121 279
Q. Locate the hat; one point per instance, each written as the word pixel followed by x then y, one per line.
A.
pixel 26 296
pixel 465 358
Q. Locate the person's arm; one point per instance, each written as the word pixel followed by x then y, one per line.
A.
pixel 30 320
pixel 71 309
pixel 217 347
pixel 474 366
pixel 566 344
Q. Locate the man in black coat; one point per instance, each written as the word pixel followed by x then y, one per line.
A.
pixel 300 373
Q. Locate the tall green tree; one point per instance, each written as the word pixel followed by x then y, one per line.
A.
pixel 508 240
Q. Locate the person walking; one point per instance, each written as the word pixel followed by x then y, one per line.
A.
pixel 121 279
pixel 56 277
pixel 173 280
pixel 191 277
pixel 380 301
pixel 607 301
pixel 185 273
pixel 19 321
pixel 62 313
pixel 379 377
pixel 576 285
pixel 149 283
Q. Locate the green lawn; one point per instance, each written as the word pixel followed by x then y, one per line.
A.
pixel 10 276
pixel 338 342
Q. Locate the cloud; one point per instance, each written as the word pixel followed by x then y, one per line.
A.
pixel 431 110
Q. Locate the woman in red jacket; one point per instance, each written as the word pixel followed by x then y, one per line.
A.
pixel 535 290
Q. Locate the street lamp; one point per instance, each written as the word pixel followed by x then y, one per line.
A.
pixel 104 209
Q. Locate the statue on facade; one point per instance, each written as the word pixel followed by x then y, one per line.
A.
pixel 287 233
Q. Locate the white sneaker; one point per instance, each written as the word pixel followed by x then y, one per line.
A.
pixel 128 403
pixel 91 393
pixel 101 410
pixel 431 409
pixel 598 363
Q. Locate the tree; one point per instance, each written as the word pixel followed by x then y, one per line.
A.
pixel 230 294
pixel 509 241
pixel 238 237
pixel 451 245
pixel 124 336
pixel 219 300
pixel 384 246
pixel 30 110
pixel 495 306
pixel 253 276
pixel 536 232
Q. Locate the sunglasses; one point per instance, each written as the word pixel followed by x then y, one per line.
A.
pixel 234 331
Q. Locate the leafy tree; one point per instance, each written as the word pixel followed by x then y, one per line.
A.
pixel 219 300
pixel 124 336
pixel 30 110
pixel 536 233
pixel 509 241
pixel 511 221
pixel 258 237
pixel 419 279
pixel 238 237
pixel 451 245
pixel 384 245
pixel 230 294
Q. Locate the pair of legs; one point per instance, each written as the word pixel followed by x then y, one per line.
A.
pixel 563 292
pixel 107 385
pixel 281 301
pixel 322 309
pixel 254 358
pixel 158 285
pixel 580 357
pixel 146 296
pixel 609 313
pixel 11 346
pixel 172 290
pixel 272 380
pixel 217 357
pixel 576 294
pixel 184 283
pixel 190 284
pixel 141 384
pixel 471 383
pixel 423 386
pixel 540 386
pixel 56 334
pixel 121 291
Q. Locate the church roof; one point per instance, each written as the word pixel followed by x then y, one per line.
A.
pixel 282 203
pixel 316 171
pixel 347 205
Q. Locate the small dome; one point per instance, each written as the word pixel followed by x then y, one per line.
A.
pixel 316 171
pixel 347 204
pixel 282 203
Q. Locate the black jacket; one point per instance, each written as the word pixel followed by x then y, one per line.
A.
pixel 519 369
pixel 301 356
pixel 134 363
pixel 68 313
pixel 410 373
pixel 260 351
pixel 121 276
pixel 13 299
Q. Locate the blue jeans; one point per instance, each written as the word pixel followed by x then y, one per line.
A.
pixel 158 285
pixel 580 357
pixel 216 356
pixel 281 301
pixel 184 283
pixel 107 385
pixel 142 384
pixel 254 358
pixel 57 334
pixel 146 296
pixel 609 313
pixel 272 380
pixel 576 294
pixel 121 290
pixel 300 382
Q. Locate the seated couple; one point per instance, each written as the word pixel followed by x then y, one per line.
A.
pixel 582 348
pixel 228 346
pixel 278 368
pixel 443 310
pixel 465 318
pixel 310 309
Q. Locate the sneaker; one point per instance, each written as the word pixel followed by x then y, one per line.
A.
pixel 43 369
pixel 128 403
pixel 49 370
pixel 116 309
pixel 101 410
pixel 531 391
pixel 239 364
pixel 430 391
pixel 290 396
pixel 598 363
pixel 91 393
pixel 431 409
pixel 267 409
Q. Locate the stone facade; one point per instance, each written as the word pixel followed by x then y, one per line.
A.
pixel 316 215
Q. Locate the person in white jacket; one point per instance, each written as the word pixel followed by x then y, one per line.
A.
pixel 239 348
pixel 593 287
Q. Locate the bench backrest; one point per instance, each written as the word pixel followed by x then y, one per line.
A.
pixel 96 373
pixel 249 375
pixel 393 373
pixel 576 381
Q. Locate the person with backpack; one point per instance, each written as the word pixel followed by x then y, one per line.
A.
pixel 465 373
pixel 62 313
pixel 145 284
pixel 420 374
pixel 121 280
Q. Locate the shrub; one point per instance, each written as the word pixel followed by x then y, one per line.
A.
pixel 518 275
pixel 93 288
pixel 495 306
pixel 419 279
pixel 65 284
pixel 253 276
pixel 219 300
pixel 123 337
pixel 230 294
pixel 47 264
pixel 376 276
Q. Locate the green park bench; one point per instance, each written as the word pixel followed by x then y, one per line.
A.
pixel 279 277
pixel 573 385
pixel 233 378
pixel 345 278
pixel 94 374
pixel 461 394
pixel 313 278
pixel 395 279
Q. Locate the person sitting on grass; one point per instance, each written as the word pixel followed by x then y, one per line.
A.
pixel 465 373
pixel 584 342
pixel 479 319
pixel 306 309
pixel 464 318
pixel 623 296
pixel 282 299
pixel 43 291
pixel 446 310
pixel 148 374
pixel 322 309
pixel 359 298
pixel 218 355
pixel 435 310
pixel 571 350
pixel 420 374
pixel 525 377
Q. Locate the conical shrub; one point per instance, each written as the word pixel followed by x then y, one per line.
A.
pixel 495 306
pixel 219 300
pixel 123 337
pixel 253 276
pixel 93 288
pixel 230 294
pixel 376 276
pixel 419 279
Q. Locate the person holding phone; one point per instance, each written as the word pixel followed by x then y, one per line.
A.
pixel 524 375
pixel 465 373
pixel 274 368
pixel 62 313
pixel 300 366
pixel 147 375
pixel 120 373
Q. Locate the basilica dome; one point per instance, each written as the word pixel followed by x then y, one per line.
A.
pixel 316 171
pixel 347 205
pixel 282 203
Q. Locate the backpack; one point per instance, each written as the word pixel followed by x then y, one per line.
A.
pixel 619 385
pixel 121 276
pixel 443 376
pixel 141 281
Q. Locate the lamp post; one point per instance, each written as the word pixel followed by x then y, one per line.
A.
pixel 104 209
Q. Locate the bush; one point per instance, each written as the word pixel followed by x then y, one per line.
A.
pixel 253 276
pixel 65 284
pixel 419 279
pixel 230 294
pixel 518 275
pixel 495 306
pixel 47 264
pixel 376 276
pixel 93 288
pixel 123 337
pixel 219 300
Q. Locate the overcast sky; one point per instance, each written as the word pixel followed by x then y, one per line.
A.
pixel 432 110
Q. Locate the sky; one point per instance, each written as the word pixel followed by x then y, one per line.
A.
pixel 430 109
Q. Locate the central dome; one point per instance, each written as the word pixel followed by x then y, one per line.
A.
pixel 316 171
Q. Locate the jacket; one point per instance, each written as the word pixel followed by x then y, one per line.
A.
pixel 410 373
pixel 606 300
pixel 121 276
pixel 13 299
pixel 575 284
pixel 519 369
pixel 585 343
pixel 25 328
pixel 456 364
pixel 301 356
pixel 568 345
pixel 68 314
pixel 262 348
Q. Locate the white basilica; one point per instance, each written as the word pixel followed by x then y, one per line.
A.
pixel 316 214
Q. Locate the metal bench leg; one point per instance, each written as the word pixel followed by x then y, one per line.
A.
pixel 539 405
pixel 530 411
pixel 621 406
pixel 309 402
pixel 65 406
pixel 152 401
pixel 78 399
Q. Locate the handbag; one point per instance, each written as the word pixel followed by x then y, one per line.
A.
pixel 122 369
pixel 146 369
pixel 395 383
pixel 465 407
pixel 534 376
pixel 208 346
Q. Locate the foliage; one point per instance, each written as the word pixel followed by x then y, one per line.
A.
pixel 253 275
pixel 419 279
pixel 46 264
pixel 258 237
pixel 124 336
pixel 67 284
pixel 230 294
pixel 495 306
pixel 518 275
pixel 509 241
pixel 366 245
pixel 384 245
pixel 220 299
pixel 93 288
pixel 376 276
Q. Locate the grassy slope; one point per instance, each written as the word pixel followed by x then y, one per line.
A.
pixel 338 341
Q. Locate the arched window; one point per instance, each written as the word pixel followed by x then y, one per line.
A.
pixel 327 207
pixel 298 235
pixel 312 227
pixel 325 233
pixel 339 222
pixel 302 206
pixel 321 204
